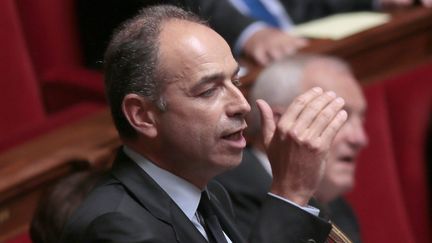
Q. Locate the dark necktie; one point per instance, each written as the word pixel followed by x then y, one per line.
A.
pixel 260 12
pixel 211 223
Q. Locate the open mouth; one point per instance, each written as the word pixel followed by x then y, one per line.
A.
pixel 235 139
pixel 347 159
pixel 234 136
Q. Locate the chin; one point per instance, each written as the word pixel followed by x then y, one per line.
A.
pixel 225 163
pixel 234 162
pixel 346 186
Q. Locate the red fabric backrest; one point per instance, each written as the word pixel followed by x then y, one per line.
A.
pixel 377 197
pixel 20 101
pixel 52 32
pixel 23 238
pixel 409 98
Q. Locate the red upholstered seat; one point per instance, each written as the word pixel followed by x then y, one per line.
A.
pixel 23 114
pixel 377 197
pixel 22 111
pixel 51 33
pixel 23 238
pixel 20 101
pixel 409 98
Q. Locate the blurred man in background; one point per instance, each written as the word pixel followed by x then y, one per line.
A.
pixel 279 84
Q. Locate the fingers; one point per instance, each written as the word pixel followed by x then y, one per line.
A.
pixel 268 44
pixel 267 121
pixel 260 56
pixel 333 128
pixel 314 117
pixel 326 116
pixel 282 45
pixel 289 118
pixel 316 106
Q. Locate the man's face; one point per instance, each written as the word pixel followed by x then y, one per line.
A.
pixel 201 131
pixel 340 169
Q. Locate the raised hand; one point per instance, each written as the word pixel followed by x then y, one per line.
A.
pixel 298 143
pixel 269 44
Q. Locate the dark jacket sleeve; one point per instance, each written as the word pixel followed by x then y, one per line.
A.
pixel 222 17
pixel 281 222
pixel 305 10
pixel 277 221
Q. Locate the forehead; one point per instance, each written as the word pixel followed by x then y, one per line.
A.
pixel 188 49
pixel 331 76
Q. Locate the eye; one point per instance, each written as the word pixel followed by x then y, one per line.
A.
pixel 208 93
pixel 236 82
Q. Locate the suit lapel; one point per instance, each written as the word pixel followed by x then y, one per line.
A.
pixel 154 199
pixel 224 218
pixel 183 227
pixel 228 226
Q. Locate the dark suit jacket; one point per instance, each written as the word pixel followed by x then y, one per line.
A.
pixel 99 18
pixel 248 185
pixel 130 207
pixel 304 10
pixel 341 213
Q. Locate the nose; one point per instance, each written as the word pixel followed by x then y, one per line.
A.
pixel 237 105
pixel 358 137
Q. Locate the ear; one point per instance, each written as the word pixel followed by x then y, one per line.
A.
pixel 141 114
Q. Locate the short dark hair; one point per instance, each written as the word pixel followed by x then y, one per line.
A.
pixel 132 64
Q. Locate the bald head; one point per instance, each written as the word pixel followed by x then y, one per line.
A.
pixel 194 44
pixel 333 74
pixel 280 82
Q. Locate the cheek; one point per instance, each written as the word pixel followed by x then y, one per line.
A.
pixel 338 146
pixel 339 175
pixel 331 169
pixel 337 169
pixel 192 129
pixel 340 136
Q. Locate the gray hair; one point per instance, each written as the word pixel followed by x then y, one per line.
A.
pixel 279 83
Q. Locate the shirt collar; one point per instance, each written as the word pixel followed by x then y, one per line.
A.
pixel 182 192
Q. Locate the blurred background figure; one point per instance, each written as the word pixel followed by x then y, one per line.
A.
pixel 246 36
pixel 278 84
pixel 284 14
pixel 58 204
pixel 256 29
